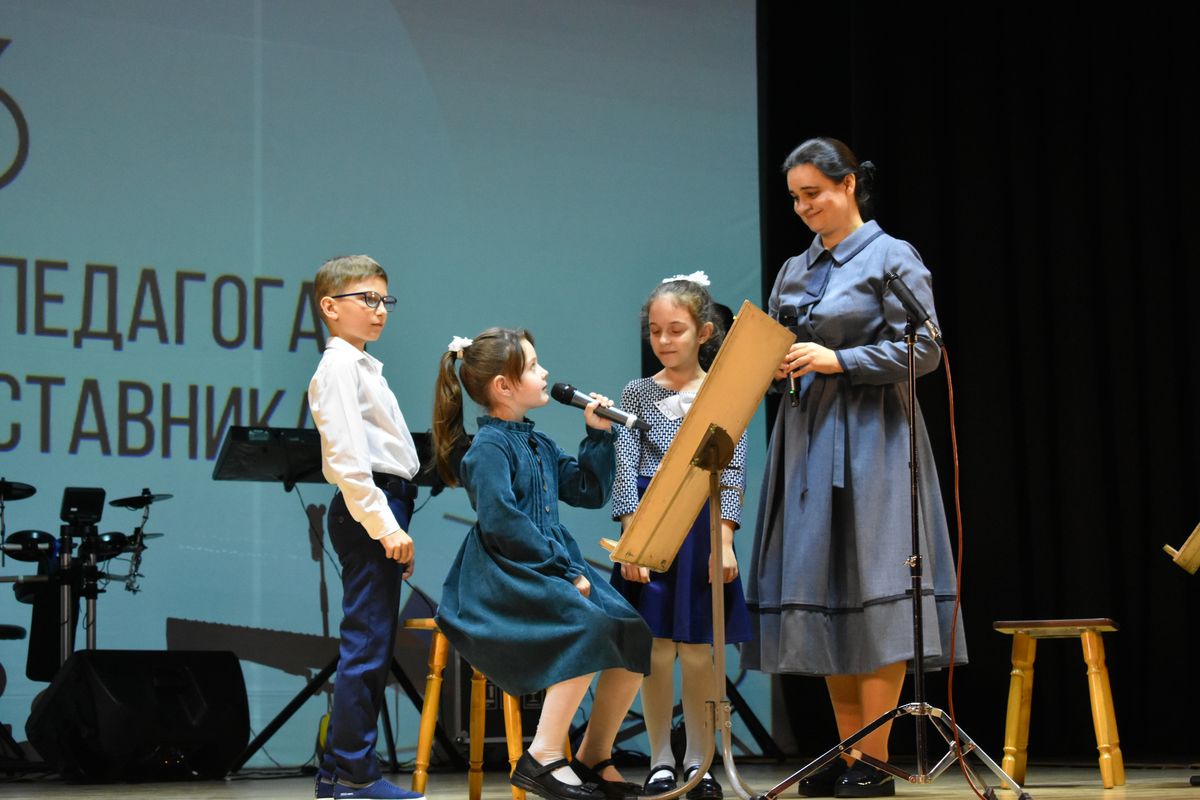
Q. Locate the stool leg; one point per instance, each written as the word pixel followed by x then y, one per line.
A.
pixel 1020 703
pixel 1104 718
pixel 476 733
pixel 439 649
pixel 514 737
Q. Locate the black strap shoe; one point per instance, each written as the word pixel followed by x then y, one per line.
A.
pixel 706 789
pixel 660 785
pixel 613 790
pixel 538 778
pixel 863 780
pixel 821 782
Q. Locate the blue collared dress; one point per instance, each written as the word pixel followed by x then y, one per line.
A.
pixel 828 578
pixel 509 604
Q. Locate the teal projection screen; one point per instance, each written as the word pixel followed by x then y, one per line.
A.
pixel 173 172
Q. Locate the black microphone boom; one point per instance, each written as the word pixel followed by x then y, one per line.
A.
pixel 566 393
pixel 912 305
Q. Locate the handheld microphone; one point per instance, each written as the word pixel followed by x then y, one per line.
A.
pixel 789 318
pixel 912 305
pixel 568 394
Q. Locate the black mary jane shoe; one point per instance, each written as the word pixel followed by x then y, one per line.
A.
pixel 538 778
pixel 821 782
pixel 660 785
pixel 863 780
pixel 613 790
pixel 706 789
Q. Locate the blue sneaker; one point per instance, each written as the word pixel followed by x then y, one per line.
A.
pixel 381 789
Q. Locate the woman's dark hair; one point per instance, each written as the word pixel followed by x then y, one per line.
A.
pixel 496 351
pixel 835 161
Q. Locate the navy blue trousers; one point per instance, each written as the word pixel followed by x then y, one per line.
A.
pixel 371 586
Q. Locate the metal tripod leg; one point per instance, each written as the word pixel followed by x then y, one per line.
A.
pixel 941 723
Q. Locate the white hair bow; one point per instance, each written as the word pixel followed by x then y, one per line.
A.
pixel 698 277
pixel 458 344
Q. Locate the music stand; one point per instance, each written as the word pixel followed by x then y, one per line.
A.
pixel 291 456
pixel 690 472
pixel 1188 558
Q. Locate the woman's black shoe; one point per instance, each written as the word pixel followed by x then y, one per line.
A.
pixel 613 790
pixel 706 789
pixel 537 778
pixel 660 785
pixel 863 780
pixel 821 782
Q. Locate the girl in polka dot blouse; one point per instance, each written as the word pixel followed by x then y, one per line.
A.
pixel 680 323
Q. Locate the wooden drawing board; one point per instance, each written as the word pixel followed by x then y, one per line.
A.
pixel 1187 556
pixel 740 376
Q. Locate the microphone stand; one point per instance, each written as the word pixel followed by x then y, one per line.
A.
pixel 919 708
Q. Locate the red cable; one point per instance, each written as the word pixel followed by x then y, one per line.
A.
pixel 958 578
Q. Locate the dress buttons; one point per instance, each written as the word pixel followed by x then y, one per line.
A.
pixel 547 508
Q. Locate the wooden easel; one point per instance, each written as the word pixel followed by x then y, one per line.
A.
pixel 1188 556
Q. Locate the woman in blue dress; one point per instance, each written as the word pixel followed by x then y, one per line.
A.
pixel 828 579
pixel 520 603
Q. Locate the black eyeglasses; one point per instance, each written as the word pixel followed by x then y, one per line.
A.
pixel 372 299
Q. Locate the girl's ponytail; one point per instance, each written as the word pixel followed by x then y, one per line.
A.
pixel 448 431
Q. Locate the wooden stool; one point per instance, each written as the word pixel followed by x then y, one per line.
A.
pixel 1025 634
pixel 439 652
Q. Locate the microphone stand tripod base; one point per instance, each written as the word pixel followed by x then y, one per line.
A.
pixel 941 723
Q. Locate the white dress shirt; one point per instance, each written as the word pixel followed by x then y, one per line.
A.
pixel 362 431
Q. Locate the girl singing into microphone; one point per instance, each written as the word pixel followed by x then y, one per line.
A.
pixel 520 603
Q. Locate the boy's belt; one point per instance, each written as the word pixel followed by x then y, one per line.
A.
pixel 395 486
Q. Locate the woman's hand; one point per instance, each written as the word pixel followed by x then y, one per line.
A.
pixel 805 357
pixel 589 413
pixel 583 585
pixel 635 574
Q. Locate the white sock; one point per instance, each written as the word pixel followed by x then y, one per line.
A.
pixel 696 668
pixel 658 702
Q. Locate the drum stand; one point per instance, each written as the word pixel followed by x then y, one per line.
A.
pixel 88 588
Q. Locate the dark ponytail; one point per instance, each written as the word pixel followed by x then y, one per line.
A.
pixel 448 431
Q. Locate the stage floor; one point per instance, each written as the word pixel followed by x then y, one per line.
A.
pixel 1045 783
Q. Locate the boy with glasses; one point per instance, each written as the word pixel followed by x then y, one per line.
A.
pixel 368 452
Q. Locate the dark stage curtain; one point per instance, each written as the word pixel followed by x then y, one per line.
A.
pixel 1047 173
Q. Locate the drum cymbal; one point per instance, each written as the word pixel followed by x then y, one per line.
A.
pixel 15 491
pixel 132 545
pixel 105 546
pixel 30 546
pixel 139 500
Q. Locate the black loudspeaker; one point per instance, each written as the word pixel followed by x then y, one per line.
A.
pixel 142 715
